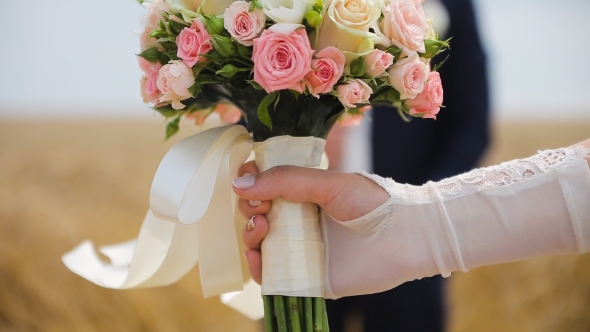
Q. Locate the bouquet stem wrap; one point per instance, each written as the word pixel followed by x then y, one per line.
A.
pixel 293 250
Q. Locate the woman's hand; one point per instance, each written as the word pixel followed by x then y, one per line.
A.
pixel 344 196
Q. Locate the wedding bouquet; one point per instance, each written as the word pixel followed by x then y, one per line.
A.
pixel 291 69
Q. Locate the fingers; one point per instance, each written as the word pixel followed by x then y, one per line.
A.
pixel 248 168
pixel 253 208
pixel 252 235
pixel 296 184
pixel 254 232
pixel 254 259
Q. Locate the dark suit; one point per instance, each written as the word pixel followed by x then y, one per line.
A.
pixel 425 150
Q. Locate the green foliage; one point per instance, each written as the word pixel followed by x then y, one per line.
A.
pixel 262 111
pixel 172 127
pixel 254 4
pixel 357 67
pixel 167 111
pixel 213 24
pixel 223 45
pixel 313 18
pixel 151 54
pixel 434 47
pixel 395 51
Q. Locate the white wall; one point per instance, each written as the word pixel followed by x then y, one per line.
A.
pixel 66 58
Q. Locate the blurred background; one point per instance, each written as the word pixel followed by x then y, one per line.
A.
pixel 78 150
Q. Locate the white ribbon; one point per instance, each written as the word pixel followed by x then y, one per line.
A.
pixel 191 218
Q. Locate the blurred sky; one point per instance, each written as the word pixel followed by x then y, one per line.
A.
pixel 72 59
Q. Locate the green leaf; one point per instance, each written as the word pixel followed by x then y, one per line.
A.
pixel 389 94
pixel 395 51
pixel 158 34
pixel 357 67
pixel 172 55
pixel 213 24
pixel 440 64
pixel 151 54
pixel 214 57
pixel 262 111
pixel 167 112
pixel 223 45
pixel 244 51
pixel 172 127
pixel 434 47
pixel 256 85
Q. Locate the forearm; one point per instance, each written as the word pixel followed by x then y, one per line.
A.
pixel 514 211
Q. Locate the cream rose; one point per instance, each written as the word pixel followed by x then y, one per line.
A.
pixel 173 82
pixel 346 25
pixel 404 23
pixel 408 76
pixel 285 11
pixel 178 5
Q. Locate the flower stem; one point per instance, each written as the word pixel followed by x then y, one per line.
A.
pixel 294 314
pixel 281 313
pixel 269 324
pixel 308 305
pixel 318 314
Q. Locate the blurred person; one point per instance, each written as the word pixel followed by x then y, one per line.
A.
pixel 416 152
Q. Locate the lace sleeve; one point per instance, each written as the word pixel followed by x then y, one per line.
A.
pixel 478 179
pixel 513 211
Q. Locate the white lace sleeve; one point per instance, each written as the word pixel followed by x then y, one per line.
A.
pixel 513 211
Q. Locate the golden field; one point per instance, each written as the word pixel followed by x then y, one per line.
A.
pixel 63 182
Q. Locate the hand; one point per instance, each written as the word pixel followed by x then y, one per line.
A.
pixel 344 196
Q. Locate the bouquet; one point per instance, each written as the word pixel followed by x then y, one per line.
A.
pixel 291 70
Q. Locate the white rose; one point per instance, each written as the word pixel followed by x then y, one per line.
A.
pixel 285 11
pixel 346 24
pixel 430 33
pixel 215 7
pixel 178 5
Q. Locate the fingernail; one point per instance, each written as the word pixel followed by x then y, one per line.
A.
pixel 244 182
pixel 254 203
pixel 250 225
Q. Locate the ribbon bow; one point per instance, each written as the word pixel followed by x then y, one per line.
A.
pixel 191 218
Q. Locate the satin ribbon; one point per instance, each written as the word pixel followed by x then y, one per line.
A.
pixel 191 218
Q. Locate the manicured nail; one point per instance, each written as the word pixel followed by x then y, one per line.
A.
pixel 244 182
pixel 254 203
pixel 250 225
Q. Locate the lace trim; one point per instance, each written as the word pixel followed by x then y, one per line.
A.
pixel 489 177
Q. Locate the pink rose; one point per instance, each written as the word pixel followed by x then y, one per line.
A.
pixel 242 24
pixel 173 81
pixel 327 70
pixel 427 103
pixel 149 87
pixel 354 92
pixel 404 23
pixel 408 76
pixel 193 42
pixel 282 58
pixel 228 113
pixel 145 41
pixel 377 62
pixel 154 14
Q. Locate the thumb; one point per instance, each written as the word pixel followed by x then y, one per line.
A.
pixel 296 184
